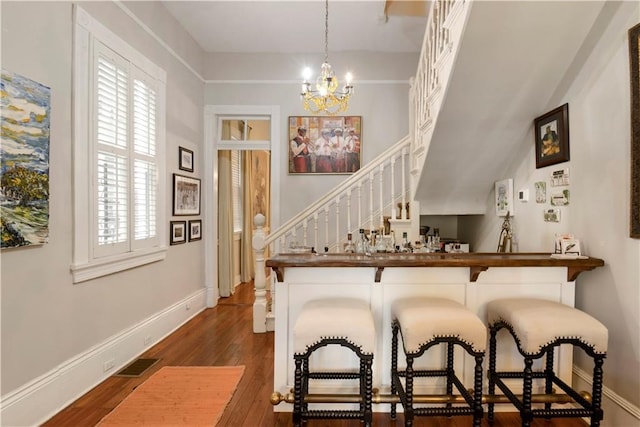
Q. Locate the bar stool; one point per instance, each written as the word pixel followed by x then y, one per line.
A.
pixel 427 322
pixel 538 326
pixel 340 321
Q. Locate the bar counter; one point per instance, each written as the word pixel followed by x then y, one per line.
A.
pixel 472 279
pixel 476 261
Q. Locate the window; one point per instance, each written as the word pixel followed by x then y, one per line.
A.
pixel 236 189
pixel 118 152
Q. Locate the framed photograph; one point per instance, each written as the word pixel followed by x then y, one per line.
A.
pixel 186 159
pixel 504 197
pixel 186 195
pixel 195 230
pixel 324 145
pixel 552 137
pixel 634 62
pixel 178 232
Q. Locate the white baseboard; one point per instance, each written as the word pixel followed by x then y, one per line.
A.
pixel 40 399
pixel 618 411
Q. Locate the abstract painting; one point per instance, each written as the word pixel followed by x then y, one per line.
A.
pixel 24 161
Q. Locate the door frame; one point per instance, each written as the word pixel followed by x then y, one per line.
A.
pixel 212 113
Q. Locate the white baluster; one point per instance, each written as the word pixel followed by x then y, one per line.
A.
pixel 349 229
pixel 260 280
pixel 315 231
pixel 393 187
pixel 338 224
pixel 326 227
pixel 371 201
pixel 381 207
pixel 304 233
pixel 403 207
pixel 360 204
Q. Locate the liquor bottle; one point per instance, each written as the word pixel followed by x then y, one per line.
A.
pixel 381 246
pixel 349 247
pixel 361 243
pixel 406 246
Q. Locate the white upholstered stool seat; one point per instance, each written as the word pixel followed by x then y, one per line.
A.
pixel 346 318
pixel 538 326
pixel 347 322
pixel 539 322
pixel 425 322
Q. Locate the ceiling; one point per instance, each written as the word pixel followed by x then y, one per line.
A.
pixel 264 26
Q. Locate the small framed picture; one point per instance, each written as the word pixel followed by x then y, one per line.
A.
pixel 178 232
pixel 195 230
pixel 186 195
pixel 186 159
pixel 504 197
pixel 552 137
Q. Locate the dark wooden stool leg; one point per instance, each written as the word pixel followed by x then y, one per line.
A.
pixel 368 394
pixel 408 409
pixel 548 377
pixel 527 389
pixel 492 372
pixel 449 371
pixel 394 364
pixel 596 399
pixel 477 392
pixel 297 393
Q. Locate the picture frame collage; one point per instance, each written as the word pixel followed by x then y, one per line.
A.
pixel 186 201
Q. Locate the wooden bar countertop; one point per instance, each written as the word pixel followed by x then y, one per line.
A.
pixel 476 261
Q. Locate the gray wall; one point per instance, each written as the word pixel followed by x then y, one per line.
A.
pixel 597 90
pixel 381 98
pixel 46 319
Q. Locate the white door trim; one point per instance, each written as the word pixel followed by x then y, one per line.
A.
pixel 210 185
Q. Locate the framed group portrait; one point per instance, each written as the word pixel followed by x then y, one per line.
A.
pixel 186 195
pixel 552 137
pixel 324 145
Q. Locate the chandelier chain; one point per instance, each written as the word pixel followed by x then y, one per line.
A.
pixel 326 31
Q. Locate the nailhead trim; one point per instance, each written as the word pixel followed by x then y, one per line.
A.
pixel 578 338
pixel 335 338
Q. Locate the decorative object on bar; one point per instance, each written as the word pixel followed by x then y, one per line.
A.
pixel 634 62
pixel 324 145
pixel 504 197
pixel 326 98
pixel 424 323
pixel 538 326
pixel 552 137
pixel 506 236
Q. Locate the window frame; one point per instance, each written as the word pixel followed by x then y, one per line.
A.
pixel 86 263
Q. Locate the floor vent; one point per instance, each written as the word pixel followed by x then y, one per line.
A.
pixel 136 368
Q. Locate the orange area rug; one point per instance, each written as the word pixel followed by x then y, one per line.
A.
pixel 178 396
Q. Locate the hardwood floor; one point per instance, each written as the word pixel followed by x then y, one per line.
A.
pixel 223 336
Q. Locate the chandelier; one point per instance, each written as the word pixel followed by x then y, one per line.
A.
pixel 325 97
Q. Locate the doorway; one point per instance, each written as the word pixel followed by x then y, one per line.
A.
pixel 240 140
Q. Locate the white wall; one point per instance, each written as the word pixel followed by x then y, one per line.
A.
pixel 597 90
pixel 47 321
pixel 382 101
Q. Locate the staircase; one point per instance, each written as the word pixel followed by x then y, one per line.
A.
pixel 382 191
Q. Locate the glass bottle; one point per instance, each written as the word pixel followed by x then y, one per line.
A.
pixel 349 248
pixel 381 246
pixel 406 246
pixel 361 243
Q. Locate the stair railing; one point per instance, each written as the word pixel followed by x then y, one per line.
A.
pixel 376 193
